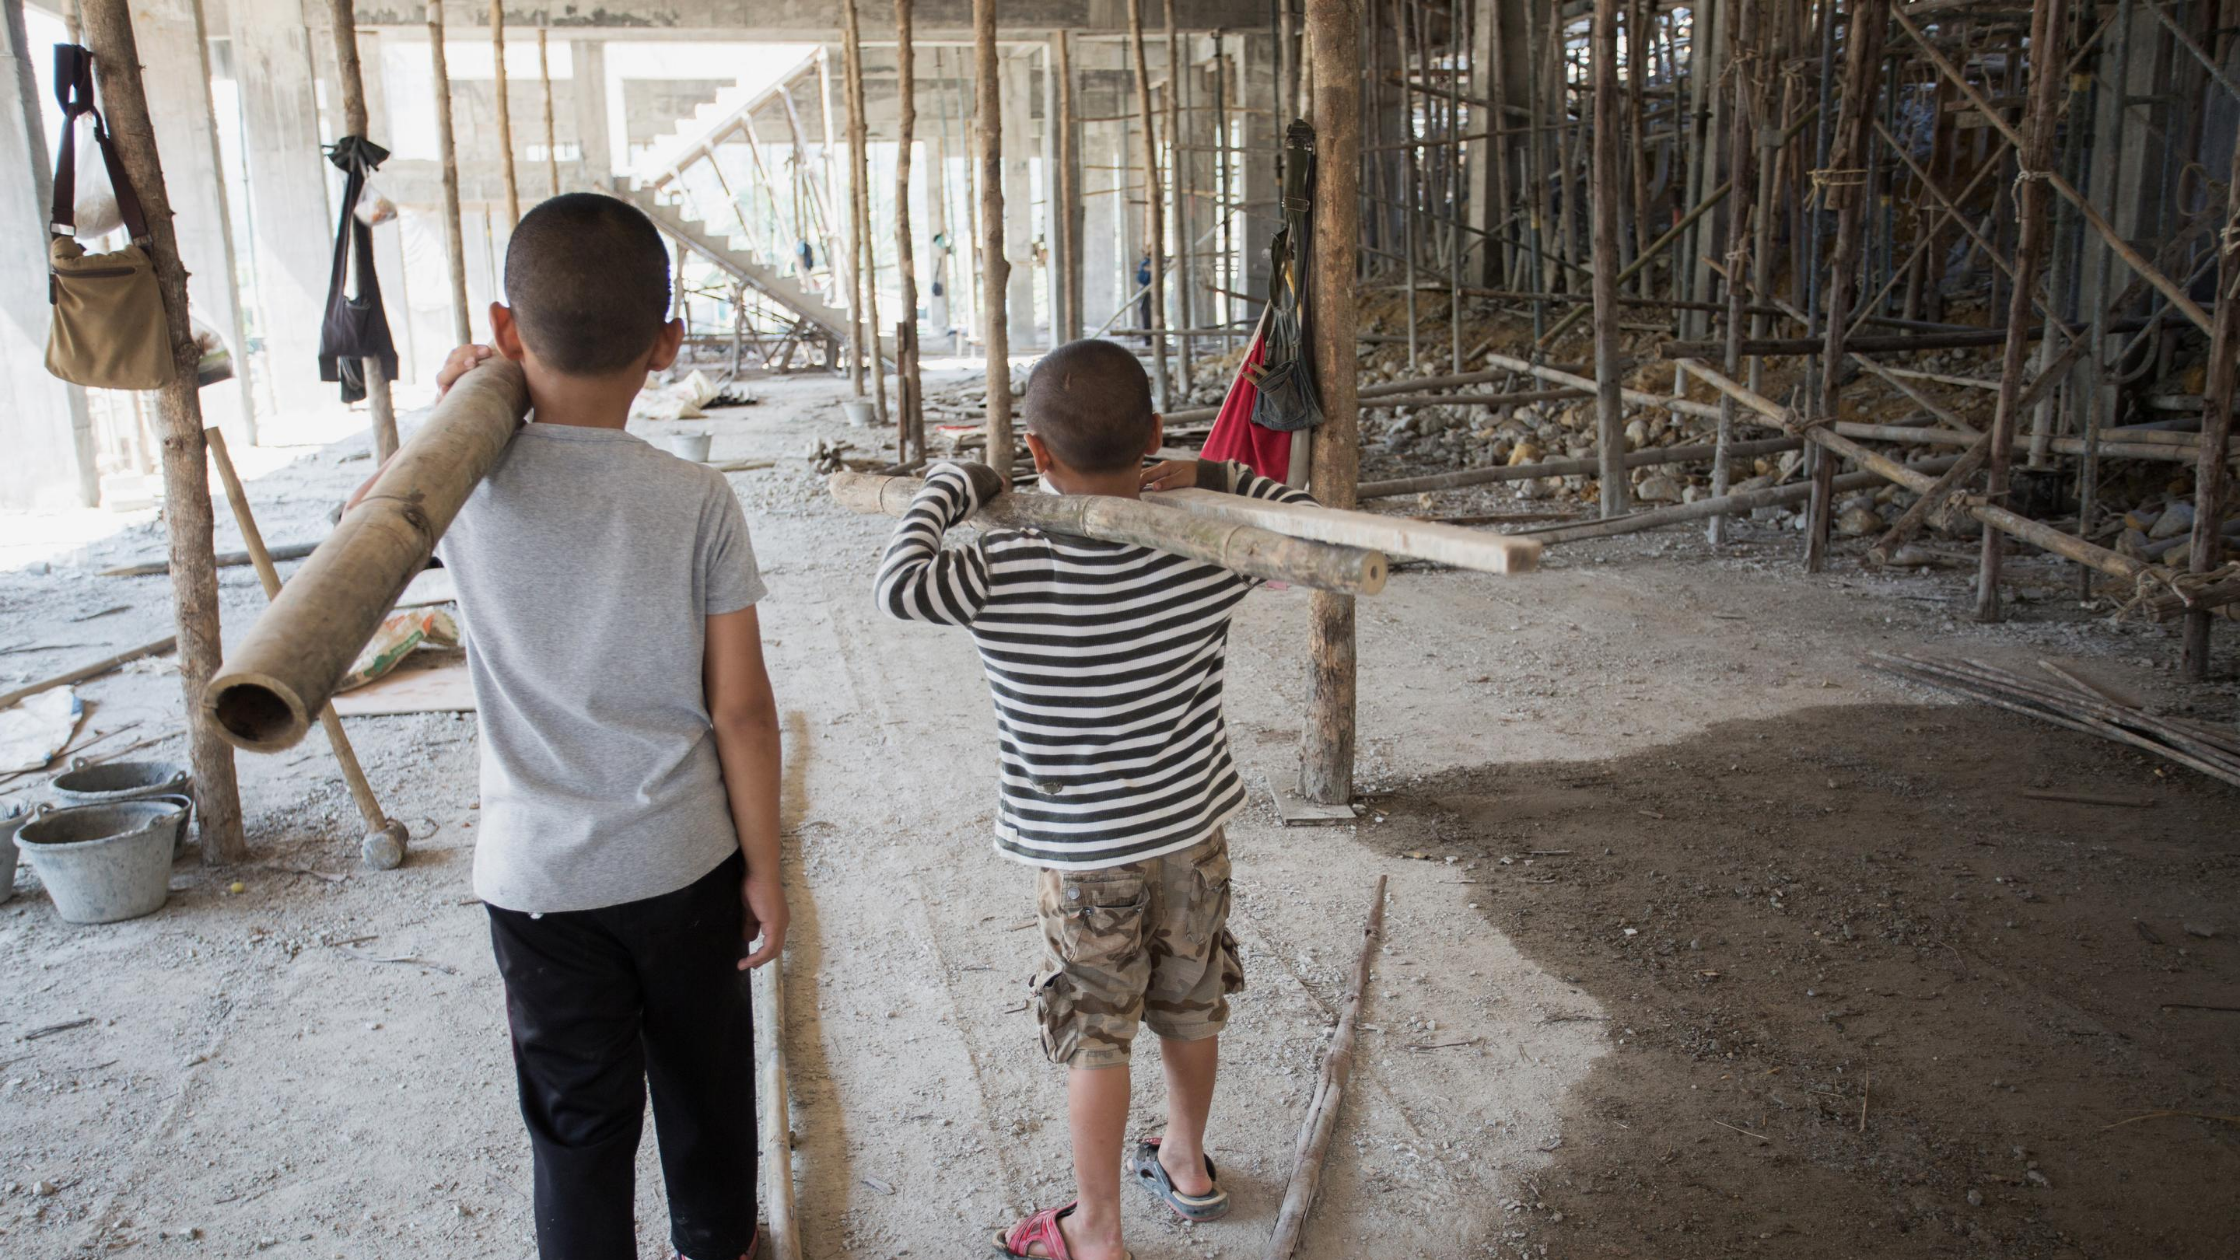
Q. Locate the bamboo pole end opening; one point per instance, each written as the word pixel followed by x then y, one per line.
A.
pixel 255 712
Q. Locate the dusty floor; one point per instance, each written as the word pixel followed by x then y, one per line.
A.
pixel 1545 1058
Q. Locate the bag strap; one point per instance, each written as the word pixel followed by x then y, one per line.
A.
pixel 73 90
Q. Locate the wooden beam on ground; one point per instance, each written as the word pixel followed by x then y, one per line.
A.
pixel 1333 312
pixel 995 269
pixel 1246 549
pixel 188 513
pixel 381 408
pixel 1321 1121
pixel 286 668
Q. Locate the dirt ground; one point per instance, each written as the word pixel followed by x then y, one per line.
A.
pixel 316 1065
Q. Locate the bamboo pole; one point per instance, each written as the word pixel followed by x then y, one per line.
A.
pixel 505 112
pixel 382 846
pixel 1326 762
pixel 995 269
pixel 1742 145
pixel 1610 418
pixel 2035 154
pixel 1741 501
pixel 187 509
pixel 1065 213
pixel 1651 457
pixel 768 993
pixel 1243 548
pixel 1862 64
pixel 1337 1062
pixel 848 271
pixel 911 432
pixel 1394 535
pixel 1154 212
pixel 866 263
pixel 381 408
pixel 447 153
pixel 551 145
pixel 264 695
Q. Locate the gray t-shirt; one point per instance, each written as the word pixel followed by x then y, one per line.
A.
pixel 587 564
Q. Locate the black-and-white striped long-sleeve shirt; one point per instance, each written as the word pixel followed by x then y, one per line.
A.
pixel 1106 663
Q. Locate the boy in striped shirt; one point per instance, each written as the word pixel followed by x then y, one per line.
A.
pixel 1115 779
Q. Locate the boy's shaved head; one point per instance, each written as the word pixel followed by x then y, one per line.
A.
pixel 588 280
pixel 1090 402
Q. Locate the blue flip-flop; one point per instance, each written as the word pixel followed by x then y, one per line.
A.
pixel 1152 1176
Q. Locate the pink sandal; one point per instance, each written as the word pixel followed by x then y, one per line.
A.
pixel 1042 1227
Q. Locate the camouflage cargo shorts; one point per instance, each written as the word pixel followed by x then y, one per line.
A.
pixel 1145 943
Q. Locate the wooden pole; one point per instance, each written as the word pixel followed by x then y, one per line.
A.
pixel 1862 65
pixel 995 269
pixel 382 847
pixel 1337 1066
pixel 187 513
pixel 264 695
pixel 551 145
pixel 768 987
pixel 1742 145
pixel 343 17
pixel 1394 535
pixel 1610 416
pixel 2210 479
pixel 1067 214
pixel 911 434
pixel 1247 549
pixel 2035 154
pixel 1326 761
pixel 859 190
pixel 447 151
pixel 1177 184
pixel 1154 213
pixel 505 111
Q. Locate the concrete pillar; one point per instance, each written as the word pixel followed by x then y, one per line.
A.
pixel 595 166
pixel 293 229
pixel 1102 209
pixel 174 50
pixel 44 426
pixel 1262 138
pixel 1020 146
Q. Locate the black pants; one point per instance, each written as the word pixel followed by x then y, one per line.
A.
pixel 603 1002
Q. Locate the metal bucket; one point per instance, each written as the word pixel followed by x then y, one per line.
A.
pixel 859 413
pixel 116 781
pixel 13 819
pixel 692 446
pixel 185 805
pixel 103 863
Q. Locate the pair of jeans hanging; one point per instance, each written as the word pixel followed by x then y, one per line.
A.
pixel 356 327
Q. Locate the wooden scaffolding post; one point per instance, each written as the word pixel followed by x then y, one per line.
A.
pixel 1179 184
pixel 911 435
pixel 1326 763
pixel 505 112
pixel 1154 213
pixel 845 273
pixel 187 512
pixel 1843 187
pixel 1067 216
pixel 859 191
pixel 1610 415
pixel 343 17
pixel 2035 156
pixel 995 269
pixel 551 146
pixel 1742 151
pixel 447 151
pixel 2211 478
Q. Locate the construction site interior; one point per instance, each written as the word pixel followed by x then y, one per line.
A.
pixel 1793 754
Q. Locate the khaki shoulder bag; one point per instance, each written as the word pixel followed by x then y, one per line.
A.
pixel 108 329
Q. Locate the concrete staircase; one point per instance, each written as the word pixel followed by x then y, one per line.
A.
pixel 717 244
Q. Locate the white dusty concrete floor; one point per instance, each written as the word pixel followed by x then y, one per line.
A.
pixel 262 1071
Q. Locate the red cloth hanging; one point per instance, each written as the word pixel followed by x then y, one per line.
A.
pixel 1263 450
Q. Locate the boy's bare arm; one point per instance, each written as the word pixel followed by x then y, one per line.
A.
pixel 745 716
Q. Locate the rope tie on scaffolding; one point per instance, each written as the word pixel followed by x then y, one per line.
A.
pixel 2155 581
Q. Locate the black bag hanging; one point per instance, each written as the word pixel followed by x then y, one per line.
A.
pixel 356 327
pixel 1285 377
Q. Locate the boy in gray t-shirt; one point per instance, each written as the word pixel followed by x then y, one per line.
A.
pixel 628 848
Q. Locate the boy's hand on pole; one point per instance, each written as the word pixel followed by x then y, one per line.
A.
pixel 1171 474
pixel 765 900
pixel 458 364
pixel 987 483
